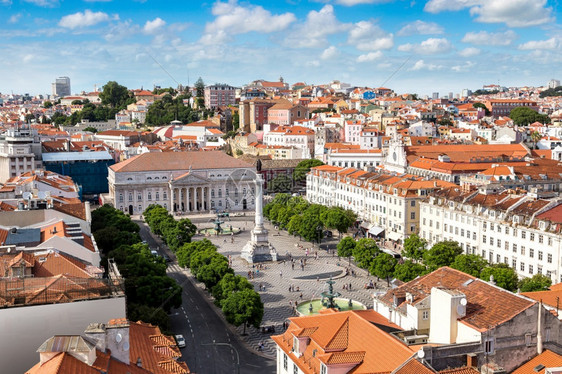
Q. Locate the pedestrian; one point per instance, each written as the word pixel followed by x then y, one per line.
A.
pixel 289 288
pixel 281 274
pixel 350 286
pixel 260 346
pixel 300 296
pixel 293 265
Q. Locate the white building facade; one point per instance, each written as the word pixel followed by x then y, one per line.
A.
pixel 515 230
pixel 182 182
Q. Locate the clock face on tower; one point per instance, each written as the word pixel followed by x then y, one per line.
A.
pixel 394 156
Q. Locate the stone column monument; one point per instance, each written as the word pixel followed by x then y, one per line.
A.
pixel 258 249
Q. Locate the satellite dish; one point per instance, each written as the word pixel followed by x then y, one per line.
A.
pixel 27 195
pixel 461 310
pixel 126 346
pixel 118 338
pixel 463 301
pixel 421 353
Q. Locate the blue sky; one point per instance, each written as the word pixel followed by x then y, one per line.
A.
pixel 408 45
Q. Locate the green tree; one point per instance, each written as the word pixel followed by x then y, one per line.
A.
pixel 311 227
pixel 383 266
pixel 535 138
pixel 480 105
pixel 200 93
pixel 304 167
pixel 537 282
pixel 235 121
pixel 409 270
pixel 243 307
pixel 91 129
pixel 346 246
pixel 470 264
pixel 364 252
pixel 442 254
pixel 445 122
pixel 229 284
pixel 153 291
pixel 504 276
pixel 115 95
pixel 524 116
pixel 47 104
pixel 337 218
pixel 153 315
pixel 294 225
pixel 414 247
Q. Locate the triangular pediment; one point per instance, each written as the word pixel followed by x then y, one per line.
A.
pixel 188 178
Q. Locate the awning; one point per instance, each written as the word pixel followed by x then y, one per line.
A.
pixel 365 225
pixel 375 230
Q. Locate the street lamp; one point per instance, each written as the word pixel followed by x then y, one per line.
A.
pixel 233 348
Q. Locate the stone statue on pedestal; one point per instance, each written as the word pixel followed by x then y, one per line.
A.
pixel 258 249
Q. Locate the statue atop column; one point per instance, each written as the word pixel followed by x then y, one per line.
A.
pixel 258 249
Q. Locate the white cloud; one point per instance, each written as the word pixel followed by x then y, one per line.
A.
pixel 469 52
pixel 232 19
pixel 514 13
pixel 88 18
pixel 357 2
pixel 153 26
pixel 430 46
pixel 14 18
pixel 420 28
pixel 551 44
pixel 27 58
pixel 329 53
pixel 313 32
pixel 121 30
pixel 366 36
pixel 371 56
pixel 465 67
pixel 421 65
pixel 490 38
pixel 6 2
pixel 43 3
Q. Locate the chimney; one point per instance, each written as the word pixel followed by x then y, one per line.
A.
pixel 96 333
pixel 117 339
pixel 472 360
pixel 539 329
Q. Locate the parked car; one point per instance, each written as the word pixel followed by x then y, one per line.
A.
pixel 166 257
pixel 180 341
pixel 328 233
pixel 154 252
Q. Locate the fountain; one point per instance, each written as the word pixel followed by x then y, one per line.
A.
pixel 218 230
pixel 330 300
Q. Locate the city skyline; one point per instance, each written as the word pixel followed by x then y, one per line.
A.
pixel 419 47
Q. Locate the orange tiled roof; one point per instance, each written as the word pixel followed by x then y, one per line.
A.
pixel 169 161
pixel 548 359
pixel 488 306
pixel 461 370
pixel 413 366
pixel 357 340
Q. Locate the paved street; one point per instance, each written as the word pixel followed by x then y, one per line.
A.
pixel 200 324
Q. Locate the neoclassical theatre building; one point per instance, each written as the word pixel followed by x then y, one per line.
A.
pixel 188 182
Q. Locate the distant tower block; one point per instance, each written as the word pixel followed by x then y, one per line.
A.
pixel 259 249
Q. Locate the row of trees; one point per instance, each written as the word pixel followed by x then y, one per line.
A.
pixel 421 261
pixel 232 293
pixel 150 292
pixel 306 220
pixel 449 253
pixel 174 233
